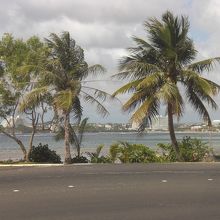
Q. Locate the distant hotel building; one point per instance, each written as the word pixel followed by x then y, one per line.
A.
pixel 160 123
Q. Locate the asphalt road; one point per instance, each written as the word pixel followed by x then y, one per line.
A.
pixel 107 192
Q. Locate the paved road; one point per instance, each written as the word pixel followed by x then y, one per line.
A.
pixel 107 192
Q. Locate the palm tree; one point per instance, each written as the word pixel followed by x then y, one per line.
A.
pixel 160 68
pixel 63 75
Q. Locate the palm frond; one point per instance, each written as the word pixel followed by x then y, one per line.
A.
pixel 170 93
pixel 76 109
pixel 64 100
pixel 147 111
pixel 135 67
pixel 60 135
pixel 81 129
pixel 129 87
pixel 152 80
pixel 99 107
pixel 198 105
pixel 98 93
pixel 136 100
pixel 33 98
pixel 202 87
pixel 96 69
pixel 142 43
pixel 204 65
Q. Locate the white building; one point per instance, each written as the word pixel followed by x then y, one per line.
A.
pixel 108 126
pixel 134 126
pixel 216 123
pixel 160 123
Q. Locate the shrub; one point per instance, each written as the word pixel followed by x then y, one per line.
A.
pixel 43 154
pixel 95 157
pixel 80 159
pixel 191 150
pixel 114 152
pixel 216 158
pixel 132 153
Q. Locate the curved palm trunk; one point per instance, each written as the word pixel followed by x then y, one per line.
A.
pixel 172 132
pixel 19 142
pixel 67 159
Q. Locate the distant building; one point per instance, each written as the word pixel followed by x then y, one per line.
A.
pixel 108 126
pixel 216 123
pixel 196 128
pixel 135 125
pixel 160 123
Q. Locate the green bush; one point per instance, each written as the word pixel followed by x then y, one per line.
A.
pixel 43 154
pixel 132 153
pixel 96 157
pixel 216 158
pixel 191 150
pixel 80 159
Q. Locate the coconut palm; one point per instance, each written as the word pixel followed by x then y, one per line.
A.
pixel 63 75
pixel 162 67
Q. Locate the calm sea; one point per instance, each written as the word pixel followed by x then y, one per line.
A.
pixel 9 149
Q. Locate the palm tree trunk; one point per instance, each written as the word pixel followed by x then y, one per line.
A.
pixel 172 133
pixel 67 159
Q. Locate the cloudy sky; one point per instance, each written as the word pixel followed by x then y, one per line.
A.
pixel 104 29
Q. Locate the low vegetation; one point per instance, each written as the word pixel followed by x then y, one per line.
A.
pixel 191 150
pixel 42 154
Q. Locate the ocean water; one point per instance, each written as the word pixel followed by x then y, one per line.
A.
pixel 9 149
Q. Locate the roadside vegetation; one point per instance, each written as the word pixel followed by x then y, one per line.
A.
pixel 191 150
pixel 37 76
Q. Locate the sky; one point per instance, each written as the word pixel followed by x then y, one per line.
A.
pixel 103 28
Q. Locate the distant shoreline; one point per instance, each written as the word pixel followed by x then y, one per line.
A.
pixel 127 132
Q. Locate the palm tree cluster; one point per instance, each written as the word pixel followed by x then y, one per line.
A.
pixel 159 70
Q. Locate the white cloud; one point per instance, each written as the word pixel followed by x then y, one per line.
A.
pixel 103 28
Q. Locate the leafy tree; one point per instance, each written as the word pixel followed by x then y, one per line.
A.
pixel 12 53
pixel 158 67
pixel 20 64
pixel 31 68
pixel 63 77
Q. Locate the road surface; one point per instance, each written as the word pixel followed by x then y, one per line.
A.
pixel 106 192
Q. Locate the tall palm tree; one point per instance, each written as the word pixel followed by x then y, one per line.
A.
pixel 160 68
pixel 62 75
